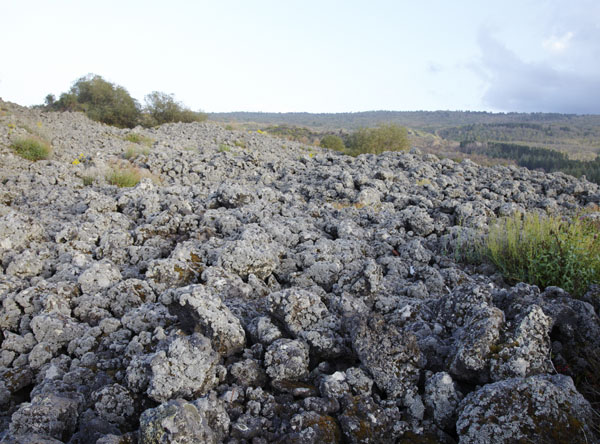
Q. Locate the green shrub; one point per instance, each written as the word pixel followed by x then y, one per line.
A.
pixel 390 137
pixel 139 138
pixel 124 177
pixel 88 180
pixel 32 148
pixel 545 251
pixel 162 108
pixel 332 142
pixel 99 100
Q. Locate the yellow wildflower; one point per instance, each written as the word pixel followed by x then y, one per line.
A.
pixel 75 162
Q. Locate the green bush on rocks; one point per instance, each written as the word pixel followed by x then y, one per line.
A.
pixel 32 148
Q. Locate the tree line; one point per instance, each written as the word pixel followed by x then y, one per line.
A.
pixel 536 158
pixel 108 103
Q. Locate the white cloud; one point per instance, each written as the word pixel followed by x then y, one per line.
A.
pixel 558 43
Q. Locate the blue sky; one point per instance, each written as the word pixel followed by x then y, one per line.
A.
pixel 314 56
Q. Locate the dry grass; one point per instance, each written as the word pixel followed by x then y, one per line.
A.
pixel 32 148
pixel 124 177
pixel 140 139
pixel 133 152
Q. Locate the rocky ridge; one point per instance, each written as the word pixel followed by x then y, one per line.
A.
pixel 254 290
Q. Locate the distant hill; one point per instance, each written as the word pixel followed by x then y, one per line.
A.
pixel 422 120
pixel 578 136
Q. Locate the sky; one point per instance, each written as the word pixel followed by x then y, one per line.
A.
pixel 311 56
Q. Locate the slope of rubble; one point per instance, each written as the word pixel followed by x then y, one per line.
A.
pixel 255 290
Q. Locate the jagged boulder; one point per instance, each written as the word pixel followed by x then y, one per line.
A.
pixel 199 309
pixel 188 367
pixel 176 421
pixel 540 408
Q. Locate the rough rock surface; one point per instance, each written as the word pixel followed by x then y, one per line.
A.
pixel 555 412
pixel 274 292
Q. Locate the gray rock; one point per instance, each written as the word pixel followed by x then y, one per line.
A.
pixel 187 368
pixel 147 317
pixel 56 329
pixel 306 317
pixel 13 237
pixel 13 380
pixel 363 421
pixel 287 360
pixel 334 386
pixel 48 415
pixel 358 381
pixel 176 421
pixel 114 403
pixel 368 196
pixel 313 428
pixel 525 351
pixel 30 438
pixel 390 355
pixel 233 196
pixel 441 399
pixel 538 408
pixel 253 252
pixel 474 344
pixel 199 309
pixel 98 277
pixel 263 330
pixel 248 373
pixel 418 220
pixel 213 410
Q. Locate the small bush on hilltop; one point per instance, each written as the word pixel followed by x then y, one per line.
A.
pixel 332 142
pixel 162 108
pixel 99 100
pixel 111 104
pixel 32 148
pixel 390 137
pixel 545 251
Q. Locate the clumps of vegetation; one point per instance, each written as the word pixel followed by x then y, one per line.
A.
pixel 108 103
pixel 139 138
pixel 163 108
pixel 88 180
pixel 386 137
pixel 133 152
pixel 32 148
pixel 223 148
pixel 290 132
pixel 545 251
pixel 124 177
pixel 344 205
pixel 332 142
pixel 99 100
